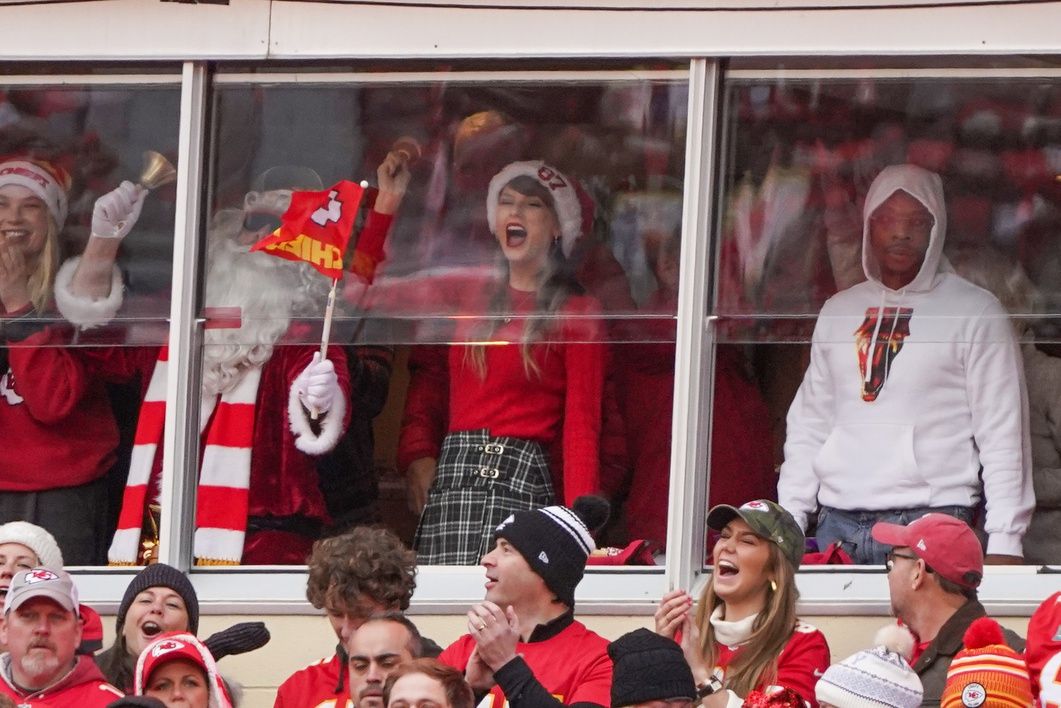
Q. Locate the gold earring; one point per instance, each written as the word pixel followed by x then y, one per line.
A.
pixel 773 586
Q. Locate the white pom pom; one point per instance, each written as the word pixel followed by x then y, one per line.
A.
pixel 895 638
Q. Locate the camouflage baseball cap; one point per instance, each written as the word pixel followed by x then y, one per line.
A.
pixel 766 519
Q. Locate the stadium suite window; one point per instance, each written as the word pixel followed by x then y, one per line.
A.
pixel 67 407
pixel 439 333
pixel 800 158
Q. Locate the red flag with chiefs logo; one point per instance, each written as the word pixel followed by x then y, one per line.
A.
pixel 316 228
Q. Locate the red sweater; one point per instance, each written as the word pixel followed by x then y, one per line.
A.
pixel 802 662
pixel 560 408
pixel 316 686
pixel 83 687
pixel 54 416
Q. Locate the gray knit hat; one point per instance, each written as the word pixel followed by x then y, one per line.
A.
pixel 36 539
pixel 874 678
pixel 160 575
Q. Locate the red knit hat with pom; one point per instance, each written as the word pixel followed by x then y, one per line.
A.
pixel 987 672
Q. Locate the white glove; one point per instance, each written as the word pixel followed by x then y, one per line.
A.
pixel 318 385
pixel 116 212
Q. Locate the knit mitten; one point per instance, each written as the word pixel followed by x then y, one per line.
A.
pixel 237 639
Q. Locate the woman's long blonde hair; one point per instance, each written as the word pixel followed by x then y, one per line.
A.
pixel 756 663
pixel 42 276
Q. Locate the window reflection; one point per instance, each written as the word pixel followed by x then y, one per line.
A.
pixel 801 158
pixel 598 166
pixel 64 151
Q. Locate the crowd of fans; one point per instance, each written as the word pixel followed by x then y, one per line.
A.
pixel 739 643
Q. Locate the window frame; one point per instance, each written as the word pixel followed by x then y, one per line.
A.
pixel 852 591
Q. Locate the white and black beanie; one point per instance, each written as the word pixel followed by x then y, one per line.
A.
pixel 559 186
pixel 555 543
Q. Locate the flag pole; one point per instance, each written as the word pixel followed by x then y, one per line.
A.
pixel 326 333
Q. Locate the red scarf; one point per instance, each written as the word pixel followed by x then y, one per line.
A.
pixel 224 477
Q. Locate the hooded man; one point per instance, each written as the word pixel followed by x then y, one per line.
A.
pixel 524 647
pixel 938 393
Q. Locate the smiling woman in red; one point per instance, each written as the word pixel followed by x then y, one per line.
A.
pixel 745 635
pixel 525 394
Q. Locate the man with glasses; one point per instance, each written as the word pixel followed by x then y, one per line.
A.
pixel 934 567
pixel 914 386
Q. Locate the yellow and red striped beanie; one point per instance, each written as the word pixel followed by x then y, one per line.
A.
pixel 987 672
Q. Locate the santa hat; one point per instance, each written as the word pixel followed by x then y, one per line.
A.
pixel 180 646
pixel 36 539
pixel 561 188
pixel 986 672
pixel 876 677
pixel 45 181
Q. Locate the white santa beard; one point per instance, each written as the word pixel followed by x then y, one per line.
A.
pixel 265 292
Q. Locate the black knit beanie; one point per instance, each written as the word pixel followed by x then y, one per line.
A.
pixel 555 543
pixel 648 667
pixel 160 575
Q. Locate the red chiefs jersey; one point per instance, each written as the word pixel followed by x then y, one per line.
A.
pixel 802 662
pixel 316 686
pixel 572 665
pixel 83 687
pixel 1050 683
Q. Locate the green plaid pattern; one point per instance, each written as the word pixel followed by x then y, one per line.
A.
pixel 480 481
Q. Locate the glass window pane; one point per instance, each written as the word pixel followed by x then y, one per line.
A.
pixel 900 410
pixel 515 328
pixel 76 307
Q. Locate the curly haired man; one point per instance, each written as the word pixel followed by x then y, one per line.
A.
pixel 353 576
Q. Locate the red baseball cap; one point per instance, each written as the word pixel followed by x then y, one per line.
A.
pixel 945 543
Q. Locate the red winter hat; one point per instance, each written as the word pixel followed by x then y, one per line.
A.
pixel 986 672
pixel 946 544
pixel 1044 637
pixel 180 646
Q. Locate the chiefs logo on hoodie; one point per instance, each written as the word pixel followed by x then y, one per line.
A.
pixel 885 334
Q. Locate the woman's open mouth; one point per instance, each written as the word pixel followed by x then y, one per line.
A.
pixel 150 629
pixel 726 568
pixel 515 235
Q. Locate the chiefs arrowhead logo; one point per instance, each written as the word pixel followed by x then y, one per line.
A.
pixel 756 506
pixel 166 647
pixel 974 696
pixel 40 575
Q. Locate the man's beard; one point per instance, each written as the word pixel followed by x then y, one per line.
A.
pixel 268 291
pixel 37 663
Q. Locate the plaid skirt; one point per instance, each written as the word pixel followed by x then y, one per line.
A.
pixel 480 481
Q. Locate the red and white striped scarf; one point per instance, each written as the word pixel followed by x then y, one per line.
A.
pixel 222 496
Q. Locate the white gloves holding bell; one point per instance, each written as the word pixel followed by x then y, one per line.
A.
pixel 116 212
pixel 317 385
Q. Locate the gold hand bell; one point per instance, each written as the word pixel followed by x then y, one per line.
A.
pixel 157 172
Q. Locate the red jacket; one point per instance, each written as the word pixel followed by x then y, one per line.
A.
pixel 801 663
pixel 84 687
pixel 55 416
pixel 572 665
pixel 319 685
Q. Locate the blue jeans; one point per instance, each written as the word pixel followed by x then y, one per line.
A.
pixel 852 528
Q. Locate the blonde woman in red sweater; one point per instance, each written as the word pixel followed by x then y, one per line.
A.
pixel 524 396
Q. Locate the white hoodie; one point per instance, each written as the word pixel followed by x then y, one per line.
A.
pixel 944 398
